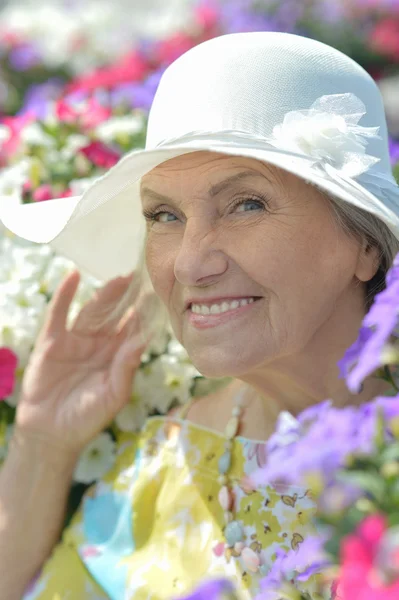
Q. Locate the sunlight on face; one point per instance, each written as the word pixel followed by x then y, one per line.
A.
pixel 247 258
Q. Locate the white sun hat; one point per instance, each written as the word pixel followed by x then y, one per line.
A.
pixel 288 100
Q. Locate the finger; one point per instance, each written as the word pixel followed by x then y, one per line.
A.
pixel 58 308
pixel 123 369
pixel 141 321
pixel 94 316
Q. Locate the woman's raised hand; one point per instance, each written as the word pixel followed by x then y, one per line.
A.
pixel 79 378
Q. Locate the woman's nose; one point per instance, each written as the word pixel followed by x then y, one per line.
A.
pixel 199 258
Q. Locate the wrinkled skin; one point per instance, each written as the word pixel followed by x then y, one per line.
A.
pixel 270 235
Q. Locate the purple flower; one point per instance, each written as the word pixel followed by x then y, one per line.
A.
pixel 24 57
pixel 294 566
pixel 216 589
pixel 287 15
pixel 241 15
pixel 365 356
pixel 137 95
pixel 394 151
pixel 329 12
pixel 324 439
pixel 39 96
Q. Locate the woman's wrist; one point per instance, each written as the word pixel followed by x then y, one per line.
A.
pixel 41 453
pixel 35 480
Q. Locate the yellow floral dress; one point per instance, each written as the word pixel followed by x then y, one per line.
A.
pixel 152 528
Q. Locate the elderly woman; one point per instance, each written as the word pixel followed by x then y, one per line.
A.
pixel 268 215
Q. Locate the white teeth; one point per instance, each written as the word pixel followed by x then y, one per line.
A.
pixel 215 309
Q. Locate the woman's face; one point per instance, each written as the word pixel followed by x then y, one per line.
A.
pixel 247 258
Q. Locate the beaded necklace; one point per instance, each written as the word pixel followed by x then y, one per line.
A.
pixel 233 531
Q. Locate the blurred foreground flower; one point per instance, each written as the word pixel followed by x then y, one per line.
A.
pixel 217 589
pixel 370 561
pixel 8 366
pixel 373 348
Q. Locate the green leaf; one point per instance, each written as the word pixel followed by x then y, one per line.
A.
pixel 379 439
pixel 369 482
pixel 389 454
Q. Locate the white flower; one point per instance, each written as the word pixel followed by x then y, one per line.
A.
pixel 132 416
pixel 57 269
pixel 73 143
pixel 19 327
pixel 96 459
pixel 22 263
pixel 176 349
pixel 109 130
pixel 5 134
pixel 79 186
pixel 12 180
pixel 164 381
pixel 24 295
pixel 329 132
pixel 34 135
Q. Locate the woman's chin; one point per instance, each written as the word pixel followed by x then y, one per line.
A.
pixel 212 366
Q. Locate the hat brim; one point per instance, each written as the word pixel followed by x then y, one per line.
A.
pixel 103 231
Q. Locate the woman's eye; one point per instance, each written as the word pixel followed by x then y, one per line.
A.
pixel 249 205
pixel 164 217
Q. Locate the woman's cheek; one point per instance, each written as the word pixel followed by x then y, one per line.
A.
pixel 160 266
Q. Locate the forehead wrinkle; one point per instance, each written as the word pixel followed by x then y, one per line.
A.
pixel 214 190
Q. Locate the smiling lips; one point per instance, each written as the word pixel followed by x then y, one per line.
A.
pixel 204 316
pixel 221 307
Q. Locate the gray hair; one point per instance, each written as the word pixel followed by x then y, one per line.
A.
pixel 361 224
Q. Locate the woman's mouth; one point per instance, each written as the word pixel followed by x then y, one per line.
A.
pixel 206 315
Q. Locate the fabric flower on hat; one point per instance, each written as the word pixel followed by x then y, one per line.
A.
pixel 329 133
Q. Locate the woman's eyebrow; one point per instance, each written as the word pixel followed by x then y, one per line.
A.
pixel 226 183
pixel 152 195
pixel 214 190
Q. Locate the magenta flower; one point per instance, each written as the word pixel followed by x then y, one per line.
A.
pixel 101 155
pixel 8 367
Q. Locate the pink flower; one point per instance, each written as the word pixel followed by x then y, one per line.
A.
pixel 132 67
pixel 15 126
pixel 66 194
pixel 167 51
pixel 88 115
pixel 8 367
pixel 100 155
pixel 359 577
pixel 385 37
pixel 43 192
pixel 207 15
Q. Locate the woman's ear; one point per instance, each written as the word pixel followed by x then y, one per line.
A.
pixel 368 262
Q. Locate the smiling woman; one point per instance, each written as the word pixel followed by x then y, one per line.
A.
pixel 266 218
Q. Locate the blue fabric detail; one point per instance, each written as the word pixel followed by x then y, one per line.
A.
pixel 107 525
